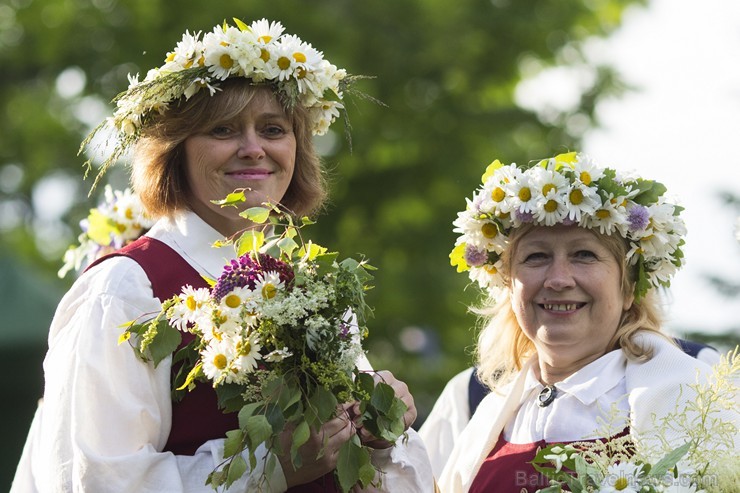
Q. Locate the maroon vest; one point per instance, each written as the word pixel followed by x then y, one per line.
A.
pixel 196 418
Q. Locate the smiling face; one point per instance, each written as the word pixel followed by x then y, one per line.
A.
pixel 566 293
pixel 255 150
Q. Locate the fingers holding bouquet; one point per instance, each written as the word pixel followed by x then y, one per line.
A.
pixel 318 456
pixel 401 408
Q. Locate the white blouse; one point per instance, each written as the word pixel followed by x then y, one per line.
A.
pixel 106 415
pixel 583 397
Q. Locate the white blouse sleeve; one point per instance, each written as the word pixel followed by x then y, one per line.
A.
pixel 106 415
pixel 448 418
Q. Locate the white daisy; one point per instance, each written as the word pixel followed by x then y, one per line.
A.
pixel 581 200
pixel 217 358
pixel 222 51
pixel 611 215
pixel 586 170
pixel 187 53
pixel 623 477
pixel 189 307
pixel 248 353
pixel 278 355
pixel 268 284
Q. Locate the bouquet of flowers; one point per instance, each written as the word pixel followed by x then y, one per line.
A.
pixel 119 220
pixel 708 458
pixel 278 335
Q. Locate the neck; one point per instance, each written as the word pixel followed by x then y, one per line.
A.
pixel 550 370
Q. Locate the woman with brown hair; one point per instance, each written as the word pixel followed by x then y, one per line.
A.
pixel 236 109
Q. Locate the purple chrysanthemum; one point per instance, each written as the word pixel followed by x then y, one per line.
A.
pixel 638 218
pixel 474 256
pixel 245 270
pixel 523 217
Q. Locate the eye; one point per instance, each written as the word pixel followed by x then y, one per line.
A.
pixel 273 130
pixel 221 131
pixel 534 258
pixel 585 255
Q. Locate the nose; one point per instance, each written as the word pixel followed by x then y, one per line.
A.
pixel 559 275
pixel 250 146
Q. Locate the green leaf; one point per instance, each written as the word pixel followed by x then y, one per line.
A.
pixel 246 412
pixel 287 246
pixel 237 468
pixel 230 397
pixel 258 430
pixel 232 199
pixel 323 402
pixel 249 241
pixel 257 215
pixel 382 397
pixel 241 25
pixel 234 443
pixel 351 458
pixel 669 461
pixel 300 436
pixel 165 342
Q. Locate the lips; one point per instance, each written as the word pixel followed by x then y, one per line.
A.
pixel 250 174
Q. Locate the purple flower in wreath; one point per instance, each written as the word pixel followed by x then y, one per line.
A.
pixel 245 271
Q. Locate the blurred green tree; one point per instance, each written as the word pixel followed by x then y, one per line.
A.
pixel 446 71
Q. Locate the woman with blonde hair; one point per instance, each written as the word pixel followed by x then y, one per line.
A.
pixel 570 254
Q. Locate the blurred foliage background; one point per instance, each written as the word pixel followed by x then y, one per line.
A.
pixel 447 73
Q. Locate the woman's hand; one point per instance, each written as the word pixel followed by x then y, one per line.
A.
pixel 402 392
pixel 325 442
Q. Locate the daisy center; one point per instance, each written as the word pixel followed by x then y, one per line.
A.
pixel 498 194
pixel 576 196
pixel 269 291
pixel 232 301
pixel 283 63
pixel 191 303
pixel 525 194
pixel 551 206
pixel 265 39
pixel 585 177
pixel 225 61
pixel 547 188
pixel 621 484
pixel 219 361
pixel 603 214
pixel 489 230
pixel 299 57
pixel 265 55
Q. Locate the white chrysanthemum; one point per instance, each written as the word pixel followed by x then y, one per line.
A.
pixel 623 477
pixel 188 53
pixel 581 200
pixel 189 307
pixel 268 284
pixel 522 195
pixel 247 355
pixel 278 355
pixel 483 234
pixel 217 358
pixel 586 170
pixel 234 301
pixel 222 51
pixel 267 32
pixel 610 216
pixel 488 276
pixel 323 115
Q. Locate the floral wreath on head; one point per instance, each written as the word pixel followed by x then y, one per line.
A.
pixel 260 52
pixel 573 189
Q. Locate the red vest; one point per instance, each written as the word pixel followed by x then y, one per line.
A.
pixel 196 418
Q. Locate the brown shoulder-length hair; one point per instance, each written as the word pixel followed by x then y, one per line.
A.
pixel 158 174
pixel 503 348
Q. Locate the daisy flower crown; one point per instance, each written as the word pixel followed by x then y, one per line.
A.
pixel 569 189
pixel 260 52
